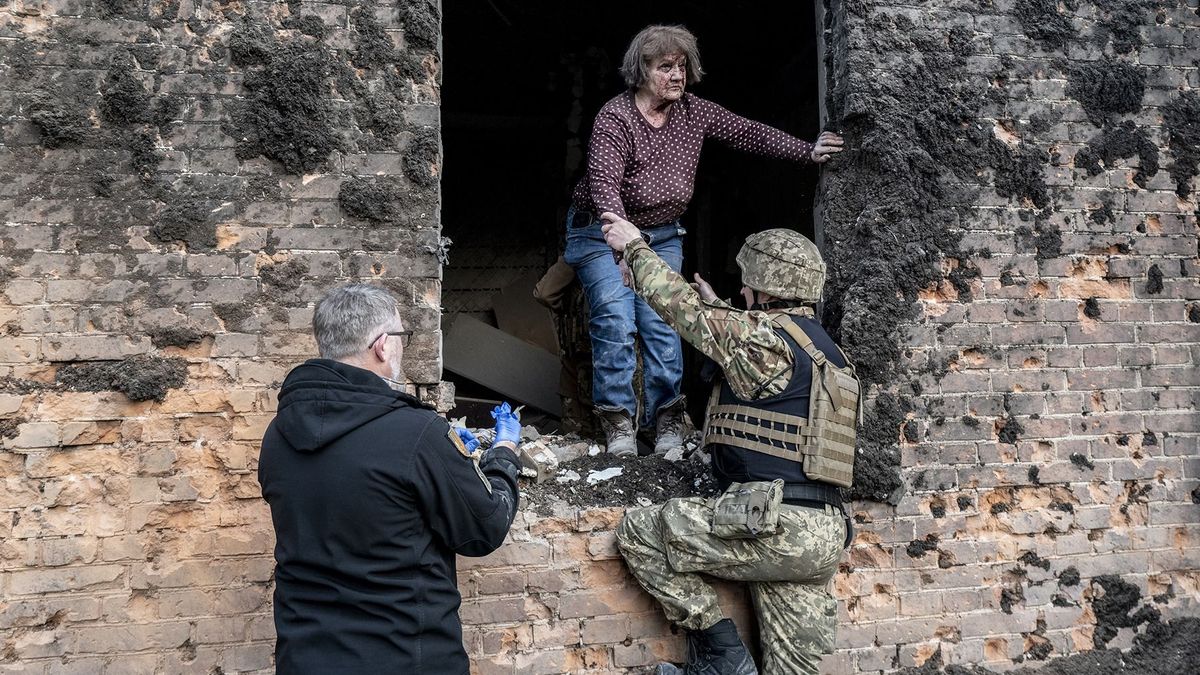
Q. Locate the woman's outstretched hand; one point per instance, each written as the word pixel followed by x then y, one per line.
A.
pixel 828 144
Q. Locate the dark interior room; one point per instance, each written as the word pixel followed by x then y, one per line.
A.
pixel 522 82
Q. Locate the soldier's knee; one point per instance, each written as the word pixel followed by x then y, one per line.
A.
pixel 634 525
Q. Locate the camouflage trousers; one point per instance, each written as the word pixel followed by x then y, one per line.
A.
pixel 667 547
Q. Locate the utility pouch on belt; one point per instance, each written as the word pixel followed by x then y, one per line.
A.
pixel 748 510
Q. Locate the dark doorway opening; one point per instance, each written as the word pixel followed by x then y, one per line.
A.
pixel 523 80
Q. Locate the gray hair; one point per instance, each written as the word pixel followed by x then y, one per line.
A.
pixel 657 41
pixel 348 318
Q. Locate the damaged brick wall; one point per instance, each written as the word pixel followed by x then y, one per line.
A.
pixel 1013 241
pixel 557 598
pixel 178 182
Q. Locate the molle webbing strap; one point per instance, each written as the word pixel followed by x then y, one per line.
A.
pixel 724 426
pixel 717 435
pixel 767 415
pixel 818 357
pixel 771 433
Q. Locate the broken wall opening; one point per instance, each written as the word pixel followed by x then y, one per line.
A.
pixel 523 82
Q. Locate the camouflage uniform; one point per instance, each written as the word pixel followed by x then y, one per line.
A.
pixel 667 546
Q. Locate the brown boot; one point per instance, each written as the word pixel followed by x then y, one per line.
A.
pixel 618 432
pixel 670 427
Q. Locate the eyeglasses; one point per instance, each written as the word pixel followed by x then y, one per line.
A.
pixel 404 336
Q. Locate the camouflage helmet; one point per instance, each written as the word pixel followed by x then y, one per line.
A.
pixel 783 263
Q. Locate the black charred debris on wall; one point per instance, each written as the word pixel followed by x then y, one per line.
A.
pixel 140 378
pixel 890 209
pixel 126 113
pixel 893 201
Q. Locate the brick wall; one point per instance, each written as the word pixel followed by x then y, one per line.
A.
pixel 557 598
pixel 1045 383
pixel 178 182
pixel 1014 250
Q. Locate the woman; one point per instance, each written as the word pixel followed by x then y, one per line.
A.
pixel 642 166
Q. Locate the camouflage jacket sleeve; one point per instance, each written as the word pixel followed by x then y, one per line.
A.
pixel 756 362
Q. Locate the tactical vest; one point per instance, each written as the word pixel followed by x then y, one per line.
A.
pixel 820 437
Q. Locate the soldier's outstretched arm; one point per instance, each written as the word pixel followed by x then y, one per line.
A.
pixel 754 359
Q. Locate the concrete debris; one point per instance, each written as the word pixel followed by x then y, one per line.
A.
pixel 538 461
pixel 606 474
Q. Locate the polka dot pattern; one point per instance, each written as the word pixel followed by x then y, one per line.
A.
pixel 647 174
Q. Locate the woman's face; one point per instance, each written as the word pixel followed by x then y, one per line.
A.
pixel 667 77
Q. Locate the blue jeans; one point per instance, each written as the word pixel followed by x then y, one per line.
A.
pixel 617 316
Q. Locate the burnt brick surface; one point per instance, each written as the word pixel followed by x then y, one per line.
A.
pixel 1042 150
pixel 169 186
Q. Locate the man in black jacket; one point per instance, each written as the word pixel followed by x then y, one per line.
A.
pixel 372 494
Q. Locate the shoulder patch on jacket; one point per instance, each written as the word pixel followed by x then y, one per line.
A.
pixel 458 442
pixel 462 450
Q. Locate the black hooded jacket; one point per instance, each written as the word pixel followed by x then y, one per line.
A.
pixel 371 499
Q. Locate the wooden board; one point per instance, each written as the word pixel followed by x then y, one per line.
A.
pixel 502 363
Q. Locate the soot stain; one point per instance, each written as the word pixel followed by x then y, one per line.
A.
pixel 62 119
pixel 1120 22
pixel 915 149
pixel 422 22
pixel 125 101
pixel 1154 280
pixel 140 378
pixel 373 47
pixel 1116 142
pixel 284 277
pixel 1107 88
pixel 188 220
pixel 919 547
pixel 422 158
pixel 371 200
pixel 1181 119
pixel 1117 608
pixel 877 460
pixel 1044 22
pixel 177 336
pixel 287 115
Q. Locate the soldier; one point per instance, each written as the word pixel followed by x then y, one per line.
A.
pixel 780 427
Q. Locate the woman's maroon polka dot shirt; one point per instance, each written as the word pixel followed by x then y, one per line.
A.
pixel 647 175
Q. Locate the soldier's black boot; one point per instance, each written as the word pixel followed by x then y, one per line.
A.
pixel 714 651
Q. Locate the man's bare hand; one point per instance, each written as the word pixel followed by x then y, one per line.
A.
pixel 828 144
pixel 618 232
pixel 703 288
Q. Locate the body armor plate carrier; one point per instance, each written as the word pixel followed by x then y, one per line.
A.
pixel 823 442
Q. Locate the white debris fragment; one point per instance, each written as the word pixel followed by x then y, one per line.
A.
pixel 569 451
pixel 607 474
pixel 675 454
pixel 593 450
pixel 567 476
pixel 642 501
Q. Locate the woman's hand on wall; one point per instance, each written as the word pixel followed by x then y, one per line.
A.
pixel 828 144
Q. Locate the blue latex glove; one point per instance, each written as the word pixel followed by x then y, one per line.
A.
pixel 508 424
pixel 468 439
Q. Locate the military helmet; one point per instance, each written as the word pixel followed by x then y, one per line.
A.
pixel 784 263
